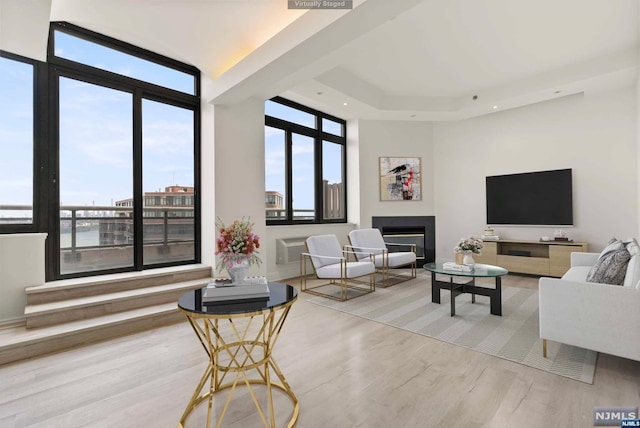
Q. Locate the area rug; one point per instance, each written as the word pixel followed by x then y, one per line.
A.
pixel 514 336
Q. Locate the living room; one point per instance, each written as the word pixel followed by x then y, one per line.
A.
pixel 591 125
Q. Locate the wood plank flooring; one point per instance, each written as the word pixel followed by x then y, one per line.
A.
pixel 346 371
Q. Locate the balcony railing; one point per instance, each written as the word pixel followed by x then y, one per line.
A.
pixel 101 237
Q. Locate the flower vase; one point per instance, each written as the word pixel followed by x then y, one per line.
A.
pixel 467 259
pixel 459 257
pixel 238 272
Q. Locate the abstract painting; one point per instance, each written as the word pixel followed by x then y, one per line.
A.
pixel 400 179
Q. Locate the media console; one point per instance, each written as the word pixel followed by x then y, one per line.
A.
pixel 545 258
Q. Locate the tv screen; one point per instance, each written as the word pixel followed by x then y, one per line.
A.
pixel 533 198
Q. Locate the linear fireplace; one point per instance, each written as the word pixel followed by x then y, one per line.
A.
pixel 419 230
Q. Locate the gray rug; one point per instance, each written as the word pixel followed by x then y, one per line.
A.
pixel 514 336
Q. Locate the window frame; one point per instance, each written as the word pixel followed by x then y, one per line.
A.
pixel 140 90
pixel 319 136
pixel 39 166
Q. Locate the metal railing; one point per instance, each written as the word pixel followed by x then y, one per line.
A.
pixel 79 218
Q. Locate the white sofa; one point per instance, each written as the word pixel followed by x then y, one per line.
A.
pixel 600 317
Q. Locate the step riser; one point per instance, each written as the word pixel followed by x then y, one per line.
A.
pixel 97 310
pixel 113 287
pixel 55 344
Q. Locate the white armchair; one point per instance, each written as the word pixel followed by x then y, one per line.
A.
pixel 330 261
pixel 370 241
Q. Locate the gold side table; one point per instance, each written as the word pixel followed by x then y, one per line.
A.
pixel 239 338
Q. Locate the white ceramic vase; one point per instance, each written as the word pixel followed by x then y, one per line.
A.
pixel 238 272
pixel 467 259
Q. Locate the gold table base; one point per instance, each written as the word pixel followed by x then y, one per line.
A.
pixel 237 345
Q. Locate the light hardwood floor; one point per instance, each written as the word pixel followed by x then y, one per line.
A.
pixel 346 371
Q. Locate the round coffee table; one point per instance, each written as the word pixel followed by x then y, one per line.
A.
pixel 470 287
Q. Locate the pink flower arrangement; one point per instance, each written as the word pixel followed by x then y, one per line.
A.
pixel 237 243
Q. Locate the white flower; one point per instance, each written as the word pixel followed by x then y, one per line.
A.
pixel 469 244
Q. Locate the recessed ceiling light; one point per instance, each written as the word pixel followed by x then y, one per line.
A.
pixel 413 115
pixel 495 107
pixel 557 92
pixel 319 93
pixel 345 104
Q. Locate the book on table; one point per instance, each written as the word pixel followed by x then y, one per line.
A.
pixel 253 288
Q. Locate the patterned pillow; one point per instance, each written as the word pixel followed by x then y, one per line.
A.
pixel 610 268
pixel 612 245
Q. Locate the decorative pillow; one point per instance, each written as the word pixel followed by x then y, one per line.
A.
pixel 612 245
pixel 610 268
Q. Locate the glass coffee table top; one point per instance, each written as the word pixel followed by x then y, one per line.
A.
pixel 478 271
pixel 279 294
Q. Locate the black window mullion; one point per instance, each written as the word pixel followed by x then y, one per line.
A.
pixel 289 175
pixel 319 193
pixel 41 149
pixel 196 182
pixel 53 184
pixel 138 246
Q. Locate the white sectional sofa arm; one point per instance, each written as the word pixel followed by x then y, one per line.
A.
pixel 600 317
pixel 584 259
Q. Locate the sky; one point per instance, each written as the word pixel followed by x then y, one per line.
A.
pixel 16 136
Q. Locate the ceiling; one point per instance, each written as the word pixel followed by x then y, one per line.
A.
pixel 397 60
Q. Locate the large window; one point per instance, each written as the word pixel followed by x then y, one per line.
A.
pixel 125 144
pixel 305 163
pixel 17 137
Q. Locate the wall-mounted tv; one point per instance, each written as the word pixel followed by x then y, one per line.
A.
pixel 541 198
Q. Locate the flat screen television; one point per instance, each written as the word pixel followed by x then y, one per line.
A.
pixel 541 198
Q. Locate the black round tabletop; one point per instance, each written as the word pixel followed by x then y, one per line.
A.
pixel 279 294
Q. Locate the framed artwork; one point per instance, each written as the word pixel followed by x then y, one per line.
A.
pixel 400 179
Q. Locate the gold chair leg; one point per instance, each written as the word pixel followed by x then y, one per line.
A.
pixel 544 348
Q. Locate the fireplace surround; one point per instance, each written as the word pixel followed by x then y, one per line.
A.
pixel 410 229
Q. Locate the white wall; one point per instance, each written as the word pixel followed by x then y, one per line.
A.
pixel 594 134
pixel 239 170
pixel 207 173
pixel 21 266
pixel 24 27
pixel 637 106
pixel 396 139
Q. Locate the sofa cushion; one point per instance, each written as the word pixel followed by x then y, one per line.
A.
pixel 577 273
pixel 610 268
pixel 632 246
pixel 633 269
pixel 632 276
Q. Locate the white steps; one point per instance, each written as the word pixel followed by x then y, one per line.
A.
pixel 51 313
pixel 64 314
pixel 18 342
